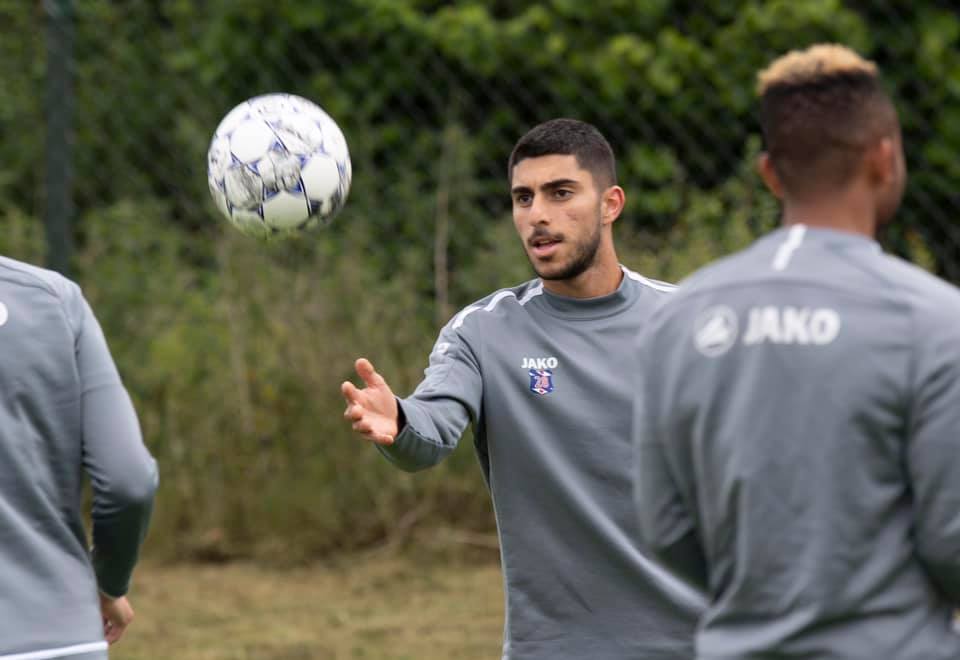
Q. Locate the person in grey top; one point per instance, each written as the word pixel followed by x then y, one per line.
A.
pixel 63 412
pixel 542 372
pixel 798 407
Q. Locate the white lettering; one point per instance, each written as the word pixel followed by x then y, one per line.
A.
pixel 824 326
pixel 795 325
pixel 770 324
pixel 539 363
pixel 764 325
pixel 791 325
pixel 752 335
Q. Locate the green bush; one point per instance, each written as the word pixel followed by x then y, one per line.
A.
pixel 234 350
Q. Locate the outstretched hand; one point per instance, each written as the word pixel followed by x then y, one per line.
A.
pixel 373 409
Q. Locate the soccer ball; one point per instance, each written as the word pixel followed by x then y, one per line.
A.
pixel 278 165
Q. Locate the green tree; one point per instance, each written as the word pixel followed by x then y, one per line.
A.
pixel 234 350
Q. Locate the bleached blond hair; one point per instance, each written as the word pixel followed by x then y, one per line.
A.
pixel 800 67
pixel 820 108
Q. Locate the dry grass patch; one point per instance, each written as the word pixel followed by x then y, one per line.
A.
pixel 373 607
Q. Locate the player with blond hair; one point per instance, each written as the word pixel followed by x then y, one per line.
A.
pixel 798 415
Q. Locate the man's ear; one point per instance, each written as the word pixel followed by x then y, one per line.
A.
pixel 768 173
pixel 613 202
pixel 881 161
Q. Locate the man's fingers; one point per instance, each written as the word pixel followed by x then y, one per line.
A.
pixel 369 375
pixel 113 631
pixel 349 391
pixel 381 438
pixel 362 426
pixel 363 419
pixel 354 412
pixel 117 615
pixel 365 428
pixel 367 432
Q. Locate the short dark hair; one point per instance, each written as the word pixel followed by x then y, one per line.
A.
pixel 820 108
pixel 568 137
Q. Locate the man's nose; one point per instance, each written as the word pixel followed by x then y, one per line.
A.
pixel 539 213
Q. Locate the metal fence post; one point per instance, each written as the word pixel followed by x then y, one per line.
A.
pixel 59 113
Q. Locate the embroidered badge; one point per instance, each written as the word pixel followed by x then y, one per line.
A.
pixel 541 381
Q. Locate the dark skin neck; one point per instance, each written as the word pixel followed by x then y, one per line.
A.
pixel 859 206
pixel 852 210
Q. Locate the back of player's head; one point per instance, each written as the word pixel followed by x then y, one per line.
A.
pixel 568 137
pixel 820 109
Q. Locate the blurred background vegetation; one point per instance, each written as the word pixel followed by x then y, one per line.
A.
pixel 234 350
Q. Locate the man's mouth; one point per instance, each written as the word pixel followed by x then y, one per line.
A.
pixel 544 246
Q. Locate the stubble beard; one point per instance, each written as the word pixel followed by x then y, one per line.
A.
pixel 583 257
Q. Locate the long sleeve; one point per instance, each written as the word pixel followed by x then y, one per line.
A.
pixel 442 405
pixel 121 470
pixel 666 526
pixel 933 452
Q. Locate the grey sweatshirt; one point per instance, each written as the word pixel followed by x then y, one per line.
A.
pixel 546 382
pixel 798 436
pixel 63 412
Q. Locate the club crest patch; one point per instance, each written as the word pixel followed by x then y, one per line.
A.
pixel 541 381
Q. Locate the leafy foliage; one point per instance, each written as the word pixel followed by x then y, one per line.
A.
pixel 234 350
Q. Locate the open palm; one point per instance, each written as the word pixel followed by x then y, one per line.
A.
pixel 373 409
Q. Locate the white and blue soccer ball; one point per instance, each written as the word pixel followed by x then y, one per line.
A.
pixel 278 164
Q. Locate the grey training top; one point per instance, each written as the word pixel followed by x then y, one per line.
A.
pixel 799 450
pixel 63 411
pixel 545 381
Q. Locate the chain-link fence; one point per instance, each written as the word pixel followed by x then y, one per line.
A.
pixel 234 349
pixel 424 87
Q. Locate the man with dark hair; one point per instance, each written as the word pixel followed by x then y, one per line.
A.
pixel 798 415
pixel 540 371
pixel 566 136
pixel 63 412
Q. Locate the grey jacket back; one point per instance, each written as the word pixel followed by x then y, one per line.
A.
pixel 798 435
pixel 63 413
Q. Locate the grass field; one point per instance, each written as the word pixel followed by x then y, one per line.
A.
pixel 374 606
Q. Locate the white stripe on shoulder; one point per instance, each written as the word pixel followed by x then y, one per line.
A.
pixel 653 284
pixel 467 311
pixel 458 321
pixel 532 293
pixel 62 652
pixel 785 252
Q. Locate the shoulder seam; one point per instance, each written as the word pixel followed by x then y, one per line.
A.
pixel 35 281
pixel 495 300
pixel 658 285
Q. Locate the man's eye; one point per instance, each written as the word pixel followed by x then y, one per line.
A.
pixel 562 193
pixel 523 199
